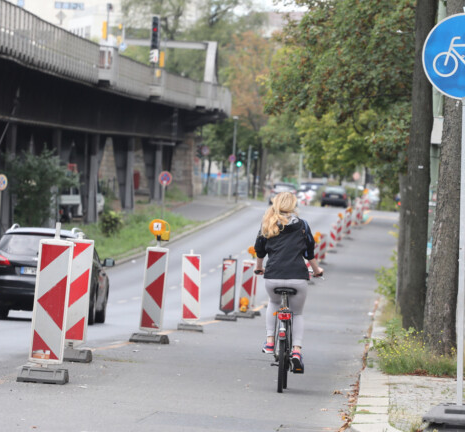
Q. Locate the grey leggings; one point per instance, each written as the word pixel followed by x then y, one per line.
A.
pixel 296 303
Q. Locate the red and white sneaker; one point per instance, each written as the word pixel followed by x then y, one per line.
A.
pixel 297 362
pixel 268 348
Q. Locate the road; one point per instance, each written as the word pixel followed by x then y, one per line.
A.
pixel 216 380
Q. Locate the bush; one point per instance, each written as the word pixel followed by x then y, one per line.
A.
pixel 387 280
pixel 111 223
pixel 405 352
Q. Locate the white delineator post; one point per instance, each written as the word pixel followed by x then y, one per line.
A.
pixel 228 285
pixel 50 301
pixel 323 246
pixel 247 280
pixel 191 287
pixel 153 295
pixel 78 304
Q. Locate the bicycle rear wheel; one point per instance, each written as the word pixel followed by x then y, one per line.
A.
pixel 282 366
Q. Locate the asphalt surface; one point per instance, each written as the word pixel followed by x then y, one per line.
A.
pixel 218 380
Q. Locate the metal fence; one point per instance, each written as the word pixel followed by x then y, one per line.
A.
pixel 29 39
pixel 33 41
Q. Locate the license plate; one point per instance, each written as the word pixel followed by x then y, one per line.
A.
pixel 334 196
pixel 28 270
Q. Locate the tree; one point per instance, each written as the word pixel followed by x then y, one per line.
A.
pixel 333 148
pixel 249 64
pixel 138 12
pixel 414 217
pixel 35 182
pixel 441 297
pixel 334 66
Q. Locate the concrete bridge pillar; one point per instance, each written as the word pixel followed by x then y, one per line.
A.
pixel 6 202
pixel 153 158
pixel 186 174
pixel 124 159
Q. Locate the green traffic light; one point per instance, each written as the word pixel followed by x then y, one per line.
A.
pixel 238 164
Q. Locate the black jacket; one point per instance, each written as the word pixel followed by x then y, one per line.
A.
pixel 285 252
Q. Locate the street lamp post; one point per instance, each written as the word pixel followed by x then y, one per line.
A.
pixel 231 164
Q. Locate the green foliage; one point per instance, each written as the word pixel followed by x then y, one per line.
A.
pixel 134 234
pixel 387 279
pixel 173 193
pixel 405 352
pixel 280 135
pixel 111 223
pixel 334 148
pixel 35 181
pixel 332 73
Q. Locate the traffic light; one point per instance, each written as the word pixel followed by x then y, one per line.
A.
pixel 255 155
pixel 155 35
pixel 240 158
pixel 199 151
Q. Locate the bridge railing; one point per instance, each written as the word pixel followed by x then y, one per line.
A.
pixel 32 40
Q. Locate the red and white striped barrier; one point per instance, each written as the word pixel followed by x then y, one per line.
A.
pixel 254 291
pixel 228 285
pixel 153 296
pixel 50 301
pixel 316 252
pixel 78 304
pixel 190 287
pixel 323 246
pixel 247 280
pixel 339 225
pixel 333 236
pixel 347 221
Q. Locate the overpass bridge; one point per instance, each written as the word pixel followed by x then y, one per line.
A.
pixel 65 92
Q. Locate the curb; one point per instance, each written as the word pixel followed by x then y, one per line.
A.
pixel 137 253
pixel 372 409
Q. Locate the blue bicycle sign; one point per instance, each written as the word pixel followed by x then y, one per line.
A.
pixel 444 56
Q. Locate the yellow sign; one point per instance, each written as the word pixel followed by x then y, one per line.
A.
pixel 160 228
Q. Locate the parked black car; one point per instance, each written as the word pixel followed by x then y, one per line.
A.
pixel 19 249
pixel 334 196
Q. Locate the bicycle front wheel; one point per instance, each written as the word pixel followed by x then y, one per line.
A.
pixel 445 65
pixel 282 366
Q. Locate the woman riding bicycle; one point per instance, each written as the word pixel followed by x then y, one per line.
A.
pixel 283 238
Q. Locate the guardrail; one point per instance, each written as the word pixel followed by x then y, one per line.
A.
pixel 35 42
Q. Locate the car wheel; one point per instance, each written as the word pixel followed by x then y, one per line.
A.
pixel 92 308
pixel 100 315
pixel 4 312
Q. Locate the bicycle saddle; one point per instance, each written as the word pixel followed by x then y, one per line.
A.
pixel 280 290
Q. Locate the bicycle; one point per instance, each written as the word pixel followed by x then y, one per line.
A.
pixel 283 335
pixel 451 53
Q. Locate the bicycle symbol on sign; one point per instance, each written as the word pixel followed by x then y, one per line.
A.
pixel 447 69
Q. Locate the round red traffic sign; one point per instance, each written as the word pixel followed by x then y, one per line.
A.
pixel 165 178
pixel 232 158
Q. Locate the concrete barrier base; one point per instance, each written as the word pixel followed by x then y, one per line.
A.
pixel 43 375
pixel 78 356
pixel 224 317
pixel 446 414
pixel 248 314
pixel 149 338
pixel 190 327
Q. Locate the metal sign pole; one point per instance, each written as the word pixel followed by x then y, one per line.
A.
pixel 461 291
pixel 163 200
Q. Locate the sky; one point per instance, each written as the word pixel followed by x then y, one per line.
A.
pixel 268 5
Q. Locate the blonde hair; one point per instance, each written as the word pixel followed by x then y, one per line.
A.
pixel 282 206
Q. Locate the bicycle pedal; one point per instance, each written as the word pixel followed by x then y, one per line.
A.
pixel 274 364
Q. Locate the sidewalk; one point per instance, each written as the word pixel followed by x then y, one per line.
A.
pixel 390 403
